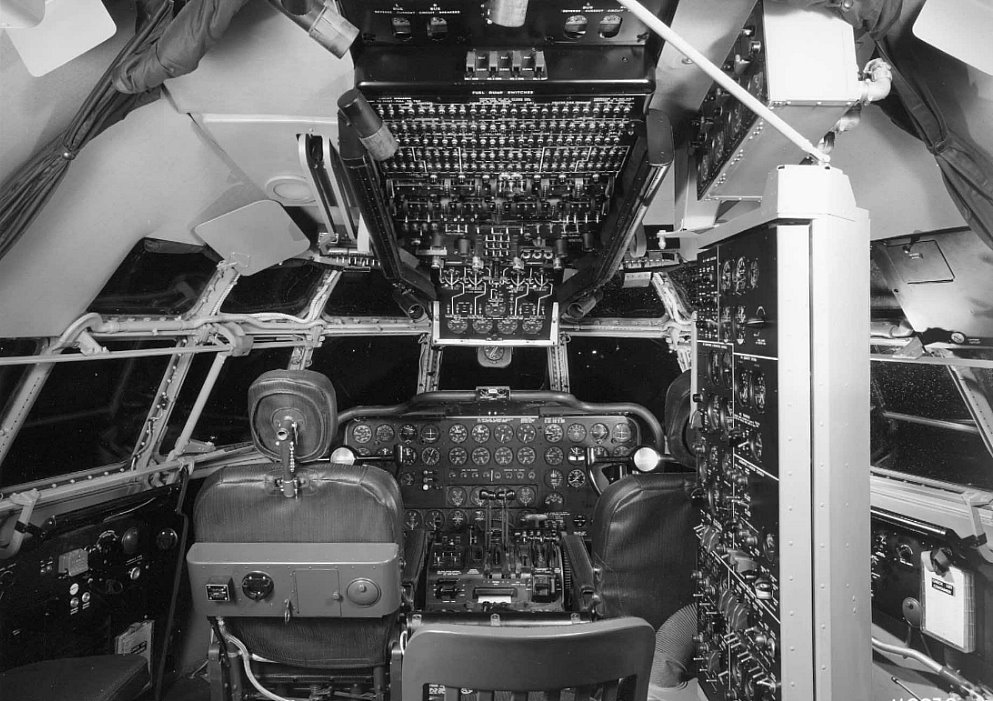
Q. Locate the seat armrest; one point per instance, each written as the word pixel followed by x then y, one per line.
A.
pixel 415 549
pixel 583 579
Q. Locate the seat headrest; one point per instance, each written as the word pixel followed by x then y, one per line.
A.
pixel 305 396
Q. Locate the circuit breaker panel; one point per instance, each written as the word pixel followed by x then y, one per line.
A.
pixel 783 467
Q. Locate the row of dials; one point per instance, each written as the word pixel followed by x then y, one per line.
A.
pixel 738 276
pixel 749 386
pixel 504 455
pixel 363 433
pixel 457 519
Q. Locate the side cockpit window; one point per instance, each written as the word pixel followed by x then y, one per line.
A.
pixel 89 413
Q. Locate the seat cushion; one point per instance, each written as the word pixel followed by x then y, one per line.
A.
pixel 99 678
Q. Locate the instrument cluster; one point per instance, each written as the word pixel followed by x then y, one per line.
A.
pixel 451 469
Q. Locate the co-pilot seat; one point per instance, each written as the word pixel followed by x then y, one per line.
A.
pixel 284 519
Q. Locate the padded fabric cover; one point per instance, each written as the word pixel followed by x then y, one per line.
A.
pixel 679 435
pixel 305 395
pixel 99 678
pixel 643 542
pixel 337 504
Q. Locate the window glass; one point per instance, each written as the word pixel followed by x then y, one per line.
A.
pixel 628 302
pixel 157 277
pixel 370 369
pixel 622 370
pixel 362 294
pixel 954 453
pixel 285 288
pixel 224 419
pixel 89 413
pixel 528 369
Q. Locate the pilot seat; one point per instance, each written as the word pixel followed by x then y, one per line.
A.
pixel 297 560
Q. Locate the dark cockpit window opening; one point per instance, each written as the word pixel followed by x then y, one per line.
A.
pixel 526 370
pixel 369 370
pixel 365 293
pixel 285 288
pixel 637 370
pixel 157 277
pixel 11 375
pixel 89 413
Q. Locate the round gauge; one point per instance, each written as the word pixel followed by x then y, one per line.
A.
pixel 743 388
pixel 503 433
pixel 576 479
pixel 740 316
pixel 456 496
pixel 412 519
pixel 554 502
pixel 407 479
pixel 553 433
pixel 717 143
pixel 507 326
pixel 554 478
pixel 622 432
pixel 713 458
pixel 434 519
pixel 576 432
pixel 457 519
pixel 457 433
pixel 526 433
pixel 457 456
pixel 480 433
pixel 430 434
pixel 503 455
pixel 622 451
pixel 756 445
pixel 385 433
pixel 576 455
pixel 408 456
pixel 526 496
pixel 532 325
pixel 727 463
pixel 478 517
pixel 713 413
pixel 494 308
pixel 457 325
pixel 385 452
pixel 480 456
pixel 474 496
pixel 526 455
pixel 726 360
pixel 753 274
pixel 430 456
pixel 482 325
pixel 600 451
pixel 726 276
pixel 363 452
pixel 725 415
pixel 362 433
pixel 554 455
pixel 599 432
pixel 758 391
pixel 714 368
pixel 740 275
pixel 408 433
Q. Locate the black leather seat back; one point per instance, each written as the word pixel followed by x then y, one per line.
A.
pixel 337 504
pixel 644 545
pixel 679 433
pixel 334 504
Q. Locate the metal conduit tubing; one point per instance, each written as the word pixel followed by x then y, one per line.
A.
pixel 722 79
pixel 198 405
pixel 946 673
pixel 141 353
pixel 935 423
pixel 456 396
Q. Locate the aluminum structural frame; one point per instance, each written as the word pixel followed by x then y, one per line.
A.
pixel 823 366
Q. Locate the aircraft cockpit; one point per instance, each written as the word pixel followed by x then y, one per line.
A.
pixel 432 350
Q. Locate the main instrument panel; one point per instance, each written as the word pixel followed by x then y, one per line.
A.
pixel 446 465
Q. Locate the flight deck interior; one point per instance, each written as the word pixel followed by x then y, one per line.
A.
pixel 432 350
